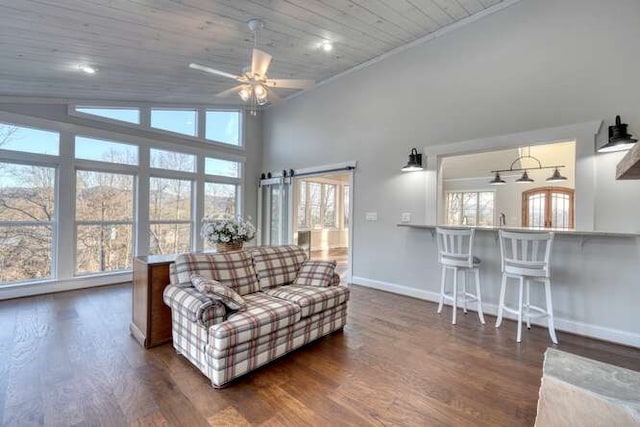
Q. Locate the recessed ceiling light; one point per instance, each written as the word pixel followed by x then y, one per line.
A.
pixel 88 69
pixel 326 45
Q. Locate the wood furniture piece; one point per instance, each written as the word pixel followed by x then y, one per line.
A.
pixel 455 253
pixel 151 320
pixel 629 166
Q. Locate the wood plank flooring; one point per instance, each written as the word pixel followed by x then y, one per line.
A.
pixel 68 359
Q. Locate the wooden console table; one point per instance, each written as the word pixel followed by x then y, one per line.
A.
pixel 151 320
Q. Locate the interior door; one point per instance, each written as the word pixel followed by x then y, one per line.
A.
pixel 274 206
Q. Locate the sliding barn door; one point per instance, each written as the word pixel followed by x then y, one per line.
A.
pixel 274 211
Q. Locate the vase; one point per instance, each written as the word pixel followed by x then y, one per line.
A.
pixel 228 247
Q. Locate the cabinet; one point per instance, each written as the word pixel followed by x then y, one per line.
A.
pixel 151 319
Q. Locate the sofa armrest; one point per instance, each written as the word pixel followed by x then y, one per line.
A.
pixel 335 280
pixel 194 305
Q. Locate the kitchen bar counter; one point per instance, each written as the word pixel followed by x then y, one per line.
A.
pixel 525 229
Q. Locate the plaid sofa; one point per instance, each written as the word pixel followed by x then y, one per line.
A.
pixel 279 318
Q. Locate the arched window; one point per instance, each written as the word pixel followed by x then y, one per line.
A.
pixel 548 207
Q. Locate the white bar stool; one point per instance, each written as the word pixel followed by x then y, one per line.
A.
pixel 526 257
pixel 455 247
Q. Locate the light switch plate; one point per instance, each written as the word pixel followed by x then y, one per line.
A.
pixel 371 216
pixel 405 217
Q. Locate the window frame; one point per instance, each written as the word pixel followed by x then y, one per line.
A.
pixel 477 213
pixel 108 168
pixel 547 191
pixel 145 120
pixel 47 162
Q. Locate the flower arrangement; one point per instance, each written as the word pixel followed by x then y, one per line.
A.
pixel 227 233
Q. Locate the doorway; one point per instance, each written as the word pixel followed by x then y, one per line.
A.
pixel 321 217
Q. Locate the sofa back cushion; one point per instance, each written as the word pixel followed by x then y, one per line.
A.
pixel 232 269
pixel 277 265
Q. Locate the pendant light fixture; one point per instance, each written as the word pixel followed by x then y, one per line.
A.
pixel 556 177
pixel 619 139
pixel 525 178
pixel 497 180
pixel 415 162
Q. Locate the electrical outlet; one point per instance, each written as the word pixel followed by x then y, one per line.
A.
pixel 371 216
pixel 405 217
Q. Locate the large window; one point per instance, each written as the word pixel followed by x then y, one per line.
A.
pixel 27 220
pixel 316 205
pixel 104 221
pixel 223 126
pixel 470 208
pixel 169 215
pixel 73 211
pixel 179 121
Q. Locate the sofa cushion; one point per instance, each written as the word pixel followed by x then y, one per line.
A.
pixel 218 291
pixel 194 305
pixel 277 265
pixel 315 273
pixel 232 269
pixel 312 299
pixel 264 315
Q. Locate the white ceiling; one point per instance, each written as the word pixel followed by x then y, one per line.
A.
pixel 142 47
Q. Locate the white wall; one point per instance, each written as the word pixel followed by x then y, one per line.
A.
pixel 537 64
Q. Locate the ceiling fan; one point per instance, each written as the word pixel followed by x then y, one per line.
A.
pixel 255 88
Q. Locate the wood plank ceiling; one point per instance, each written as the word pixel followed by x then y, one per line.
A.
pixel 142 47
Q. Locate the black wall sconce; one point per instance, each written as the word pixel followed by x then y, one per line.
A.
pixel 619 139
pixel 415 162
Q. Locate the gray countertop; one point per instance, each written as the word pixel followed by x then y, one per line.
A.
pixel 521 229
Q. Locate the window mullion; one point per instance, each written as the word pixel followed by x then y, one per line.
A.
pixel 197 198
pixel 142 198
pixel 64 250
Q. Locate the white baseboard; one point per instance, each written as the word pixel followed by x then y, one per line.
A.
pixel 572 326
pixel 52 286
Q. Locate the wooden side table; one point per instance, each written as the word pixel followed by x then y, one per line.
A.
pixel 151 320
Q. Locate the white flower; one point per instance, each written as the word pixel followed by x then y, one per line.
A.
pixel 225 239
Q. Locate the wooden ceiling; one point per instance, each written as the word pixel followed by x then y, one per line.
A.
pixel 142 47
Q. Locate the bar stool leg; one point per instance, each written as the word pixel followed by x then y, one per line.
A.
pixel 455 295
pixel 503 289
pixel 519 337
pixel 464 290
pixel 480 314
pixel 552 329
pixel 444 278
pixel 528 312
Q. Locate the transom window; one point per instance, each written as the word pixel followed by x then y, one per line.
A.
pixel 106 151
pixel 184 122
pixel 127 115
pixel 470 208
pixel 28 140
pixel 223 126
pixel 173 160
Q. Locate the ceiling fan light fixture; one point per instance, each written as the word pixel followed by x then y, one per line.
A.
pixel 556 177
pixel 245 93
pixel 260 92
pixel 525 179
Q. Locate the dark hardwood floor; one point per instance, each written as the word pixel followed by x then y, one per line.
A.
pixel 68 359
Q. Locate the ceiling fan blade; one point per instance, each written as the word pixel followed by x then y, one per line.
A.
pixel 214 71
pixel 273 98
pixel 260 62
pixel 291 84
pixel 229 92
